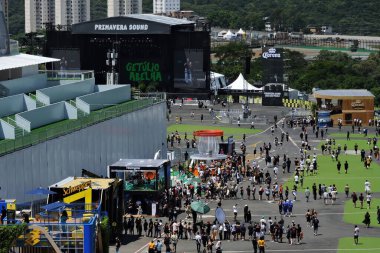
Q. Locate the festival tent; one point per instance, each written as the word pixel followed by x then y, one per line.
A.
pixel 229 35
pixel 241 84
pixel 241 32
pixel 218 81
pixel 222 33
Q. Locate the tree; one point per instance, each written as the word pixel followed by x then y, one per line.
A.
pixel 8 235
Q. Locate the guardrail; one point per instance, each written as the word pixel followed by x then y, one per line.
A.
pixel 35 137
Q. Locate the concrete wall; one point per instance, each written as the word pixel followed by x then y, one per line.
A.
pixel 66 92
pixel 30 70
pixel 110 95
pixel 135 135
pixel 15 104
pixel 7 131
pixel 25 84
pixel 45 116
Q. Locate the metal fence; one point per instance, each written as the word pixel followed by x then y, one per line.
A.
pixel 69 126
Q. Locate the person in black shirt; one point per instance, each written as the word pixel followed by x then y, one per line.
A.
pixel 3 214
pixel 254 244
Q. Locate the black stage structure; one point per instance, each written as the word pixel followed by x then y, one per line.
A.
pixel 168 52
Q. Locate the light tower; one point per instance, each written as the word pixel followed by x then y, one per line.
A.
pixel 112 75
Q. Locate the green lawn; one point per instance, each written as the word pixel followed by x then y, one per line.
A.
pixel 362 143
pixel 366 244
pixel 237 132
pixel 356 215
pixel 355 135
pixel 357 174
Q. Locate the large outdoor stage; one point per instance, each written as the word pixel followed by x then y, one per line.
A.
pixel 162 51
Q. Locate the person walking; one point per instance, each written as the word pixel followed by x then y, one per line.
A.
pixel 367 219
pixel 254 244
pixel 307 194
pixel 198 241
pixel 378 215
pixel 315 225
pixel 117 245
pixel 356 235
pixel 346 167
pixel 354 198
pixel 261 244
pixel 158 246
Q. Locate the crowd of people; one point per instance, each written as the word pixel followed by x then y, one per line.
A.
pixel 223 180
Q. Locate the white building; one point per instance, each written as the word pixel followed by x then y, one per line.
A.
pixel 57 12
pixel 117 8
pixel 166 6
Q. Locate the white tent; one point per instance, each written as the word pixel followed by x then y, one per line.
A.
pixel 241 32
pixel 222 33
pixel 241 84
pixel 218 81
pixel 229 35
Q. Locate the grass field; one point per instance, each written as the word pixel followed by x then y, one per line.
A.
pixel 237 132
pixel 362 143
pixel 356 215
pixel 355 135
pixel 357 174
pixel 366 245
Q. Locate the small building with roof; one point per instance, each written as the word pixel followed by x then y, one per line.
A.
pixel 346 105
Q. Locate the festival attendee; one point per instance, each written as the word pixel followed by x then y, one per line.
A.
pixel 367 219
pixel 356 235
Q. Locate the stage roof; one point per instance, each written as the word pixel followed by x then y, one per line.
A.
pixel 139 163
pixel 342 93
pixel 23 60
pixel 131 24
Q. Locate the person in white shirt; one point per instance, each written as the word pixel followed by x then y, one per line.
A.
pixel 198 240
pixel 356 235
pixel 275 171
pixel 369 198
pixel 234 208
pixel 367 186
pixel 296 179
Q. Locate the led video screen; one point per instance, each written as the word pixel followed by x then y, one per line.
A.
pixel 188 69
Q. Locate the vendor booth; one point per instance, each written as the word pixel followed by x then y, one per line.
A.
pixel 146 182
pixel 346 105
pixel 93 192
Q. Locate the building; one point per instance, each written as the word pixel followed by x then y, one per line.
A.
pixel 5 6
pixel 117 8
pixel 68 12
pixel 58 12
pixel 346 105
pixel 163 52
pixel 166 6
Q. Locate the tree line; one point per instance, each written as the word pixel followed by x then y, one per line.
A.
pixel 346 17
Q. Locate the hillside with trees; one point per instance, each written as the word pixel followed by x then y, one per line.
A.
pixel 346 17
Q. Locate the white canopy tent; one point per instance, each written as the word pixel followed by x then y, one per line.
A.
pixel 229 35
pixel 241 32
pixel 241 84
pixel 218 81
